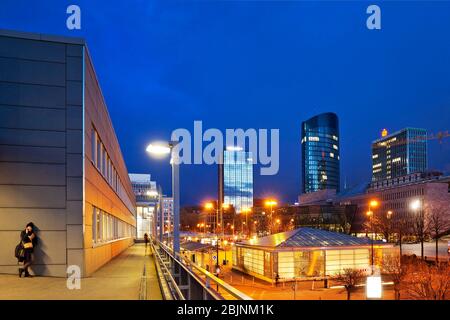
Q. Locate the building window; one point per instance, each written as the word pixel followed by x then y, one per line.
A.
pixel 106 227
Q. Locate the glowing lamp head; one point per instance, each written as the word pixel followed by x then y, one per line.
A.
pixel 374 203
pixel 158 149
pixel 246 210
pixel 384 133
pixel 270 203
pixel 415 205
pixel 209 206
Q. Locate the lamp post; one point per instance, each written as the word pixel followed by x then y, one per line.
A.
pixel 246 211
pixel 372 204
pixel 270 204
pixel 210 206
pixel 164 149
pixel 416 206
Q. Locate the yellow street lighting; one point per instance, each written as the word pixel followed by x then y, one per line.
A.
pixel 278 221
pixel 374 203
pixel 209 206
pixel 369 213
pixel 255 222
pixel 389 214
pixel 246 210
pixel 270 203
pixel 225 206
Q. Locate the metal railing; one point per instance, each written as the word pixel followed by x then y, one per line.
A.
pixel 169 286
pixel 194 274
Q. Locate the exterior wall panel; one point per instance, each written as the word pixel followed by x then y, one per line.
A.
pixel 49 101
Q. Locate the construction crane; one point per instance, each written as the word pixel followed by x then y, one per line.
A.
pixel 440 136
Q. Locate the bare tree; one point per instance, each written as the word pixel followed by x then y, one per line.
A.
pixel 436 222
pixel 350 278
pixel 382 223
pixel 400 227
pixel 397 267
pixel 429 282
pixel 419 229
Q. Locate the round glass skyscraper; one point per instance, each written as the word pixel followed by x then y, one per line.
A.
pixel 320 153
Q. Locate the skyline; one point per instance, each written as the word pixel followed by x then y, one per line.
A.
pixel 233 73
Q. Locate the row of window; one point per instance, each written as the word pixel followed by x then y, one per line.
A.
pixel 103 163
pixel 106 227
pixel 404 194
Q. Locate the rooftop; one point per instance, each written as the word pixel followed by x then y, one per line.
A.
pixel 310 237
pixel 41 36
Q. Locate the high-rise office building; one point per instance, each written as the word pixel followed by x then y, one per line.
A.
pixel 399 154
pixel 320 153
pixel 238 178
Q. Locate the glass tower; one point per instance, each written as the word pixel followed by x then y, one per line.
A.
pixel 238 179
pixel 320 153
pixel 399 154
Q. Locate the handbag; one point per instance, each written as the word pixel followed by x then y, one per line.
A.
pixel 19 252
pixel 28 245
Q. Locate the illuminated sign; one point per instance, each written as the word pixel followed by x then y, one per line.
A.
pixel 384 133
pixel 373 287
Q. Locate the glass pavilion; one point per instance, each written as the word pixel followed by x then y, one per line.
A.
pixel 307 253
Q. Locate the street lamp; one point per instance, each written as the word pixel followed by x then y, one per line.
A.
pixel 271 203
pixel 416 206
pixel 372 204
pixel 162 150
pixel 246 211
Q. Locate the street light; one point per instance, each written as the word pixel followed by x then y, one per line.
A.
pixel 372 204
pixel 270 203
pixel 210 206
pixel 246 211
pixel 162 149
pixel 416 206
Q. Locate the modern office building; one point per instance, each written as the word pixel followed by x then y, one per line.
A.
pixel 307 253
pixel 147 204
pixel 60 161
pixel 320 153
pixel 399 154
pixel 238 178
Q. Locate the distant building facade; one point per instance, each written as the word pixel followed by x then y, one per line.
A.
pixel 399 154
pixel 60 161
pixel 147 204
pixel 167 208
pixel 320 153
pixel 238 178
pixel 397 195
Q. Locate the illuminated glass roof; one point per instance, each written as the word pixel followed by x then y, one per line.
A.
pixel 310 237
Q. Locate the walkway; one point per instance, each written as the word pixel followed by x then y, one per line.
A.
pixel 119 279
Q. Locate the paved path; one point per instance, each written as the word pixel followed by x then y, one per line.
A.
pixel 118 279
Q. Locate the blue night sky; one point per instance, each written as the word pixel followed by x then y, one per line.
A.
pixel 260 64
